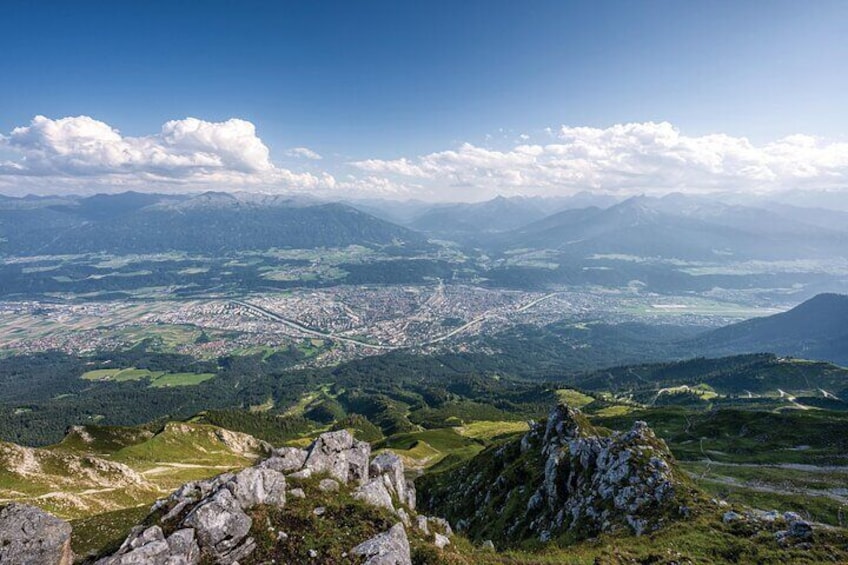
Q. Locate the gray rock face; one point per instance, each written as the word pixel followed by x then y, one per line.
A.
pixel 390 468
pixel 149 547
pixel 220 524
pixel 375 494
pixel 342 457
pixel 389 548
pixel 590 483
pixel 286 459
pixel 799 530
pixel 254 486
pixel 212 517
pixel 210 521
pixel 30 536
pixel 600 483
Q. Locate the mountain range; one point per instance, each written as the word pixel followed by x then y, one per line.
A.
pixel 208 223
pixel 815 329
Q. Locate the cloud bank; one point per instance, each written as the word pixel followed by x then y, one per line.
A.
pixel 630 158
pixel 80 153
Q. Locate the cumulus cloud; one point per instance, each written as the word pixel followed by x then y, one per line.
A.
pixel 83 151
pixel 627 158
pixel 304 152
pixel 78 154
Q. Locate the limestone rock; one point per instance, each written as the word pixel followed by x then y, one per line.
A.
pixel 328 485
pixel 389 548
pixel 590 483
pixel 441 541
pixel 220 524
pixel 389 466
pixel 30 536
pixel 254 486
pixel 149 547
pixel 342 457
pixel 302 474
pixel 286 459
pixel 375 494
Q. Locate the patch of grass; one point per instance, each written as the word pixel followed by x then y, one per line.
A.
pixel 158 379
pixel 574 398
pixel 487 431
pixel 96 534
pixel 180 379
pixel 612 411
pixel 429 447
pixel 100 374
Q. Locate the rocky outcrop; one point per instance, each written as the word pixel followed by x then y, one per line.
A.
pixel 207 518
pixel 341 456
pixel 389 468
pixel 286 459
pixel 563 476
pixel 30 536
pixel 211 520
pixel 151 547
pixel 598 483
pixel 389 548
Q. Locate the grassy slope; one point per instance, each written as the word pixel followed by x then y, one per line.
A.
pixel 137 467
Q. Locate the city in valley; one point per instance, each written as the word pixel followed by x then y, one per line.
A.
pixel 338 323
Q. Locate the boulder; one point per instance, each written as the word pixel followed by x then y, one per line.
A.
pixel 30 536
pixel 196 490
pixel 328 485
pixel 375 494
pixel 254 486
pixel 286 459
pixel 342 457
pixel 389 467
pixel 389 548
pixel 221 525
pixel 441 541
pixel 149 547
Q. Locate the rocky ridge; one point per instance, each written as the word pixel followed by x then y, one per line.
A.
pixel 215 520
pixel 564 477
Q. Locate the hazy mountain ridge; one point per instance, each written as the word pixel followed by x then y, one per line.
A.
pixel 815 329
pixel 678 227
pixel 209 223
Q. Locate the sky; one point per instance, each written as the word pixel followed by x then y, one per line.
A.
pixel 436 100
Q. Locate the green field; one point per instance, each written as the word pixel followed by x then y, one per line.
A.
pixel 157 379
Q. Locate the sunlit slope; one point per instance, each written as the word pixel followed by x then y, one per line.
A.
pixel 97 469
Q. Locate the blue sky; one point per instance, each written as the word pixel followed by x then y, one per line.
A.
pixel 394 82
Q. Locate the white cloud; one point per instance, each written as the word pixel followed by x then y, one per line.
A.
pixel 304 152
pixel 81 154
pixel 629 158
pixel 80 151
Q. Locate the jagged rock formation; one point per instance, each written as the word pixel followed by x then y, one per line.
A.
pixel 389 548
pixel 565 477
pixel 30 536
pixel 213 520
